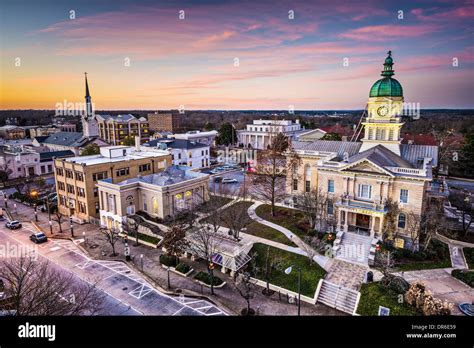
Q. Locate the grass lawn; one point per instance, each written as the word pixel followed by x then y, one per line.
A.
pixel 259 230
pixel 310 274
pixel 469 255
pixel 436 256
pixel 373 296
pixel 289 218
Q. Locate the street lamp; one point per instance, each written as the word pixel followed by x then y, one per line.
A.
pixel 141 259
pixel 5 199
pixel 288 271
pixel 169 284
pixel 72 226
pixel 36 213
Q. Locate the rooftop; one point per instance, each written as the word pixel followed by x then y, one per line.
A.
pixel 170 176
pixel 100 159
pixel 175 143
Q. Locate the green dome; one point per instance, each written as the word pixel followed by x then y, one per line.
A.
pixel 386 87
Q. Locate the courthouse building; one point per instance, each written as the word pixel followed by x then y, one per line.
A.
pixel 360 177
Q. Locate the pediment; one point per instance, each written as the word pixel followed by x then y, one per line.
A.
pixel 365 167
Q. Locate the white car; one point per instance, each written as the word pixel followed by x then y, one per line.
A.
pixel 229 181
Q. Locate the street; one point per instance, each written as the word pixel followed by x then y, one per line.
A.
pixel 127 293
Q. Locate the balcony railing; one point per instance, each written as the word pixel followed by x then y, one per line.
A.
pixel 350 202
pixel 409 171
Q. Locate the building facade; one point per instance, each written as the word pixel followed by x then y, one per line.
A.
pixel 10 132
pixel 76 177
pixel 360 178
pixel 183 152
pixel 160 195
pixel 167 122
pixel 116 129
pixel 260 133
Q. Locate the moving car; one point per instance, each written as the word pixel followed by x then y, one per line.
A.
pixel 229 181
pixel 38 238
pixel 13 225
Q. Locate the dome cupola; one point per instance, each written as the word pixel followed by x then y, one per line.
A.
pixel 387 86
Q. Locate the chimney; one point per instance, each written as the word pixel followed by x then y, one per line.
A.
pixel 137 143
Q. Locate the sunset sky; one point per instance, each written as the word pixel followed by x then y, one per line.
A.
pixel 190 62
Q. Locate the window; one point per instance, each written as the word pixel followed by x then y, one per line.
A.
pixel 371 133
pixel 96 192
pixel 79 176
pixel 295 184
pixel 81 192
pixel 307 186
pixel 43 169
pixel 202 163
pixel 330 185
pixel 97 208
pixel 122 171
pixel 155 206
pixel 378 134
pixel 207 152
pixel 402 221
pixel 70 188
pixel 82 207
pixel 99 176
pixel 144 167
pixel 365 191
pixel 179 155
pixel 330 208
pixel 61 185
pixel 390 134
pixel 202 153
pixel 69 174
pixel 190 154
pixel 403 196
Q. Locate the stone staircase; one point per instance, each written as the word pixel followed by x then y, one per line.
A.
pixel 337 296
pixel 354 248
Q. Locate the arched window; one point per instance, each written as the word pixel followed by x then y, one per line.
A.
pixel 402 221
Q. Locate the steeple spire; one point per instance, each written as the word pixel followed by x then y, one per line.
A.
pixel 387 66
pixel 88 100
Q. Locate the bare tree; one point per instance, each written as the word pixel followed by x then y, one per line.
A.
pixel 236 218
pixel 272 165
pixel 413 228
pixel 272 262
pixel 313 246
pixel 246 288
pixel 464 203
pixel 58 218
pixel 391 219
pixel 204 243
pixel 432 222
pixel 33 287
pixel 111 236
pixel 384 262
pixel 314 206
pixel 174 241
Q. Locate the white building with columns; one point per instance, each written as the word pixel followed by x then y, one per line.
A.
pixel 259 134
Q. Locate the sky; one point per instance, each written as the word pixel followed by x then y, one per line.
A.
pixel 305 55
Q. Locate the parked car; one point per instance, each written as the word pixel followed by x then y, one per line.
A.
pixel 13 225
pixel 38 238
pixel 218 179
pixel 214 171
pixel 229 181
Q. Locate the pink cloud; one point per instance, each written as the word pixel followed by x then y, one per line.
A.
pixel 437 14
pixel 388 32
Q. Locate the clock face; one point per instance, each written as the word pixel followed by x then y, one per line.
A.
pixel 382 111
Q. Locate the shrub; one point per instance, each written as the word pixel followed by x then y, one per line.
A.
pixel 183 268
pixel 168 260
pixel 206 278
pixel 396 284
pixel 465 276
pixel 418 297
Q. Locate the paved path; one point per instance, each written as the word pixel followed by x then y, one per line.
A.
pixel 349 275
pixel 442 285
pixel 321 260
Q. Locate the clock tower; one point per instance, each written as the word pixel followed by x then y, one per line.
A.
pixel 383 124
